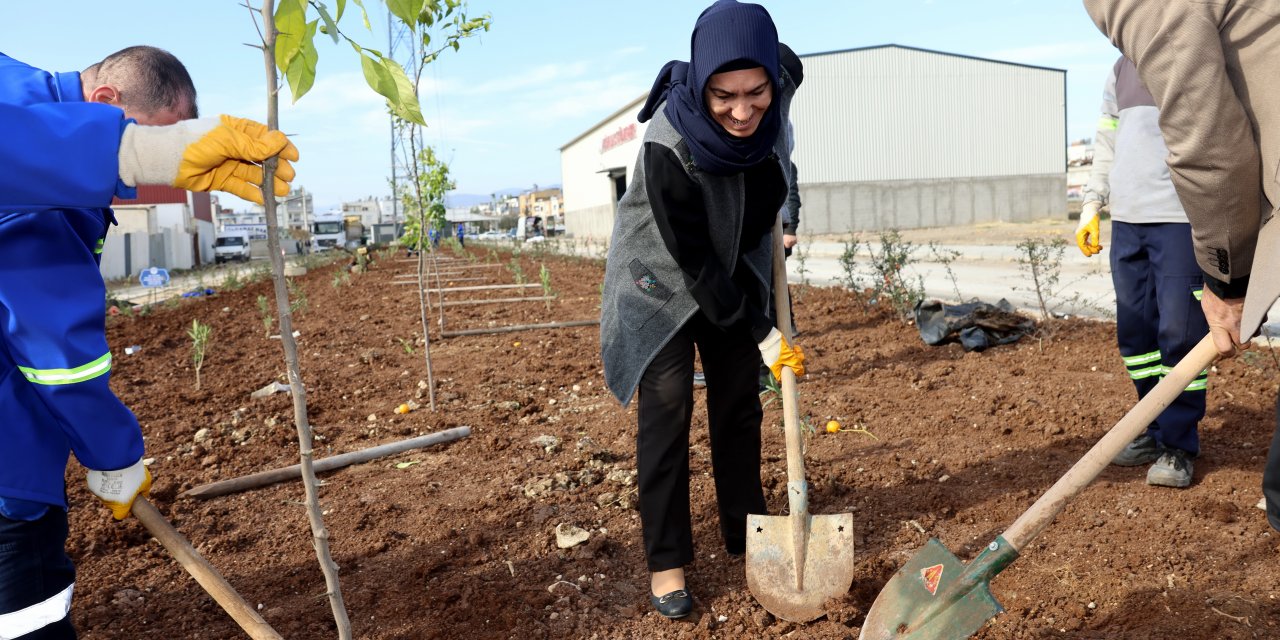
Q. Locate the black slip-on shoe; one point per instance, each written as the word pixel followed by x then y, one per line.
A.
pixel 676 604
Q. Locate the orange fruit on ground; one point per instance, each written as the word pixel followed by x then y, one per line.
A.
pixel 833 426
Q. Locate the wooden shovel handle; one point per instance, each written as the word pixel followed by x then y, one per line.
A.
pixel 797 492
pixel 1035 519
pixel 202 571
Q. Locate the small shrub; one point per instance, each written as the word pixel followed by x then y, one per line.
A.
pixel 264 311
pixel 297 297
pixel 340 277
pixel 407 345
pixel 233 282
pixel 517 271
pixel 199 345
pixel 945 257
pixel 849 265
pixel 890 282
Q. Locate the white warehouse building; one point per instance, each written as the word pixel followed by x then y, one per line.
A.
pixel 886 137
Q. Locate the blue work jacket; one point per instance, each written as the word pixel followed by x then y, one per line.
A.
pixel 60 158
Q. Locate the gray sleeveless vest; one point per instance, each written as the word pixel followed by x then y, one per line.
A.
pixel 645 300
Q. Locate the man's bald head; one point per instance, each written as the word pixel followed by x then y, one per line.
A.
pixel 149 84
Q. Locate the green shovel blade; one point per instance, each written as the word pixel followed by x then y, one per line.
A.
pixel 936 597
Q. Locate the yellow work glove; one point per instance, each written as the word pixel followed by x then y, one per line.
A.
pixel 118 489
pixel 777 353
pixel 1087 235
pixel 208 154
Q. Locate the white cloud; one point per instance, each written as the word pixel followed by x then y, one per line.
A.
pixel 1052 53
pixel 578 99
pixel 539 76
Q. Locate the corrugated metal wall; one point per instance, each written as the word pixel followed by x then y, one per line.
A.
pixel 894 113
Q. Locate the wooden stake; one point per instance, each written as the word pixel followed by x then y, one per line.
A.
pixel 264 478
pixel 486 287
pixel 467 303
pixel 522 327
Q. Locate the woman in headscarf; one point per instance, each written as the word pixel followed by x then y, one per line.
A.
pixel 689 268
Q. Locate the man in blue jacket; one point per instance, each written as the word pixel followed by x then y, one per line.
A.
pixel 70 142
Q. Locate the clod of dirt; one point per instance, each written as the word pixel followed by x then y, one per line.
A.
pixel 547 442
pixel 127 598
pixel 569 536
pixel 843 609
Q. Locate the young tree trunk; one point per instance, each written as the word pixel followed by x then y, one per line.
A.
pixel 423 296
pixel 319 533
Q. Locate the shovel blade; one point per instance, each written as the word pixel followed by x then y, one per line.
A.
pixel 771 566
pixel 936 597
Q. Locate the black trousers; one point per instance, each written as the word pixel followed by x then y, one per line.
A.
pixel 731 363
pixel 35 578
pixel 1271 475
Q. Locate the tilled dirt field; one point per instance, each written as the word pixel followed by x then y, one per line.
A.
pixel 458 541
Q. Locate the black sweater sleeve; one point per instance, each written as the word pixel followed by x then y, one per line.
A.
pixel 676 201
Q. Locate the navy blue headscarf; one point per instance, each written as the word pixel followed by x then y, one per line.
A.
pixel 726 32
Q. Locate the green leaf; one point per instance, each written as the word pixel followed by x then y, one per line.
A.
pixel 301 73
pixel 387 77
pixel 363 14
pixel 291 22
pixel 406 465
pixel 330 27
pixel 342 6
pixel 407 11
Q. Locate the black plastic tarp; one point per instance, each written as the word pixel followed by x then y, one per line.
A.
pixel 975 325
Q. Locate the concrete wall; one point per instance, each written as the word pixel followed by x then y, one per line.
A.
pixel 836 208
pixel 590 223
pixel 206 233
pixel 125 254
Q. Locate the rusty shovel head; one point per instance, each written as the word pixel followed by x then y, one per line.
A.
pixel 827 570
pixel 935 596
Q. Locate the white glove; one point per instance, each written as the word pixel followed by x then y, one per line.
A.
pixel 117 489
pixel 1087 235
pixel 777 354
pixel 222 153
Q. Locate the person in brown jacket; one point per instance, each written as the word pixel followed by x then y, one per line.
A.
pixel 1211 67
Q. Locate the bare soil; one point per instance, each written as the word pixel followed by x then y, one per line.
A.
pixel 457 541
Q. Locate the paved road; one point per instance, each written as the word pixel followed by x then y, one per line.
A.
pixel 987 267
pixel 985 272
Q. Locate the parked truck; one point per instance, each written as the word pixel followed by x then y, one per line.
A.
pixel 328 231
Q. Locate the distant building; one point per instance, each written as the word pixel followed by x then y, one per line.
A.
pixel 886 137
pixel 546 204
pixel 162 227
pixel 373 211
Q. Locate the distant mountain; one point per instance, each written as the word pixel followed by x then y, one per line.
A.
pixel 468 200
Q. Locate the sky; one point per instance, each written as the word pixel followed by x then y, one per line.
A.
pixel 499 109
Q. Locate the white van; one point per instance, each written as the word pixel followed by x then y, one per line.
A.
pixel 234 245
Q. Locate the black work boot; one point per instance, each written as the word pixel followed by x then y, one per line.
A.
pixel 1142 450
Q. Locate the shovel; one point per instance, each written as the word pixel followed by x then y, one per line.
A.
pixel 936 597
pixel 798 561
pixel 204 573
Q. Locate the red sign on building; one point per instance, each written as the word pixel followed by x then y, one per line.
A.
pixel 623 134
